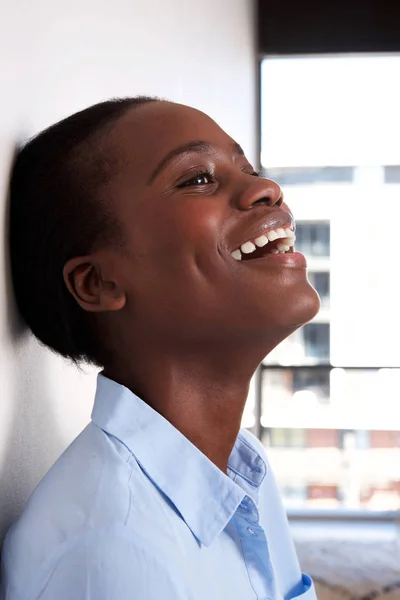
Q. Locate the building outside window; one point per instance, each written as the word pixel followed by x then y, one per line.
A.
pixel 327 404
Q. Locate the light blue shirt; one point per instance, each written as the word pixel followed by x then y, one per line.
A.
pixel 133 511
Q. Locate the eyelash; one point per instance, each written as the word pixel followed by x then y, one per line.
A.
pixel 192 182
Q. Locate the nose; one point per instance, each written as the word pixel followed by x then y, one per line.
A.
pixel 260 191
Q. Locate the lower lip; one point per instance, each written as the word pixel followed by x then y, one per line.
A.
pixel 287 259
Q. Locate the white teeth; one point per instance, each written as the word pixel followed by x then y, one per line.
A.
pixel 289 241
pixel 283 247
pixel 247 248
pixel 237 255
pixel 272 235
pixel 285 236
pixel 261 241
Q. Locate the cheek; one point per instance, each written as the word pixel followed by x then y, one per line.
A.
pixel 178 240
pixel 175 274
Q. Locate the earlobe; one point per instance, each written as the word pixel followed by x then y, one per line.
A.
pixel 83 278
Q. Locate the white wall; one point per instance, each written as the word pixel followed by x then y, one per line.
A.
pixel 56 58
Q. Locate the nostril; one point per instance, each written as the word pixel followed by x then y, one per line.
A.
pixel 266 200
pixel 279 202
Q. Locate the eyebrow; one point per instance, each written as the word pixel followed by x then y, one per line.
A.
pixel 194 147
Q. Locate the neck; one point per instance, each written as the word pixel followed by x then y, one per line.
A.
pixel 199 393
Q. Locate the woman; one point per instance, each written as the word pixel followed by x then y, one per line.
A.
pixel 143 241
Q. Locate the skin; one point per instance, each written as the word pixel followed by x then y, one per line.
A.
pixel 185 325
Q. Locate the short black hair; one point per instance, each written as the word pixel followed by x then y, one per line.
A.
pixel 59 210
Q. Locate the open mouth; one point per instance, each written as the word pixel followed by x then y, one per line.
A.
pixel 274 241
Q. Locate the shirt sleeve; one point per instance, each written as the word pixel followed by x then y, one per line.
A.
pixel 112 568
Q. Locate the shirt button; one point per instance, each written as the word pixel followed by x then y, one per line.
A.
pixel 244 506
pixel 250 530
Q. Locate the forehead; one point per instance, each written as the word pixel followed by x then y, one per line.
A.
pixel 144 135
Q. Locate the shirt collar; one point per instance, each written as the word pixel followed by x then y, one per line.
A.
pixel 205 497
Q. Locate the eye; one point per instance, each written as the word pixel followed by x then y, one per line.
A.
pixel 201 179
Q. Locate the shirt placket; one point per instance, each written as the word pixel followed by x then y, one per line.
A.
pixel 255 551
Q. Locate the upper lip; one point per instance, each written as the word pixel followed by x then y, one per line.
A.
pixel 274 220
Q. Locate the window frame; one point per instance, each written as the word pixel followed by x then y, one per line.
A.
pixel 339 515
pixel 321 514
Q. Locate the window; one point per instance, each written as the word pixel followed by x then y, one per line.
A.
pixel 311 380
pixel 316 340
pixel 327 403
pixel 363 439
pixel 308 345
pixel 313 239
pixel 294 389
pixel 285 438
pixel 392 174
pixel 321 282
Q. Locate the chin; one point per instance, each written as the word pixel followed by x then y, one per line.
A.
pixel 302 307
pixel 294 307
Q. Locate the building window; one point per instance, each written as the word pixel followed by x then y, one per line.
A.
pixel 290 391
pixel 316 340
pixel 285 438
pixel 311 381
pixel 321 282
pixel 392 174
pixel 313 239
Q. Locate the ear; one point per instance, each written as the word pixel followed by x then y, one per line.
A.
pixel 83 277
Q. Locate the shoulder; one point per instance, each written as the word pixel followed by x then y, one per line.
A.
pixel 73 497
pixel 77 487
pixel 96 497
pixel 103 564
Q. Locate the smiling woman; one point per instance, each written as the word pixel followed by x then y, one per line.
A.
pixel 142 240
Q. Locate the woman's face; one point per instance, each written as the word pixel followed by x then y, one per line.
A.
pixel 187 198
